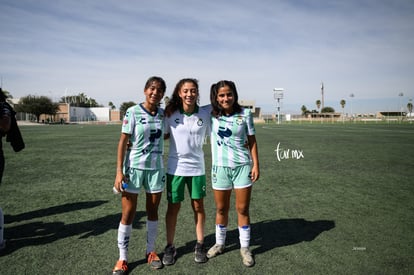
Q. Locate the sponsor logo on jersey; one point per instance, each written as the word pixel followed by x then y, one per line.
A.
pixel 224 132
pixel 155 134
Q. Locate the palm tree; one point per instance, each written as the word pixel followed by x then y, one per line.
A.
pixel 318 104
pixel 342 102
pixel 111 104
pixel 410 109
pixel 304 110
pixel 8 96
pixel 166 100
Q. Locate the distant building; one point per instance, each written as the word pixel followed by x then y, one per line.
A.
pixel 70 114
pixel 80 114
pixel 251 104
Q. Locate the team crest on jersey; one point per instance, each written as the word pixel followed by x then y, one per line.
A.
pixel 200 122
pixel 239 121
pixel 126 121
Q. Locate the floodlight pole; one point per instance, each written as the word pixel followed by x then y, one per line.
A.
pixel 278 95
pixel 400 96
pixel 351 96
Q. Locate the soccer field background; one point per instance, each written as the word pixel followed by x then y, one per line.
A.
pixel 332 199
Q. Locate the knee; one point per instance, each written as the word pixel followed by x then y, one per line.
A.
pixel 243 210
pixel 198 208
pixel 222 211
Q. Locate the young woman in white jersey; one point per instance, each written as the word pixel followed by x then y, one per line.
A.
pixel 140 165
pixel 234 165
pixel 186 125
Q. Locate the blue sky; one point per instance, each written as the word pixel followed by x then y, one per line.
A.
pixel 107 49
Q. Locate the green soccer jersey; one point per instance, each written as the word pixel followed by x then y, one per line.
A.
pixel 229 138
pixel 146 138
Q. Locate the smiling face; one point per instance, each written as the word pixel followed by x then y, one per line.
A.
pixel 188 94
pixel 225 99
pixel 154 93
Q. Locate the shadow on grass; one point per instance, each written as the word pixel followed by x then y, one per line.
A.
pixel 52 211
pixel 40 233
pixel 268 235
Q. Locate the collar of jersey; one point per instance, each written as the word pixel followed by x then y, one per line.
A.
pixel 148 112
pixel 189 114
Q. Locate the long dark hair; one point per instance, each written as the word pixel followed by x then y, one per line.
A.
pixel 216 109
pixel 175 102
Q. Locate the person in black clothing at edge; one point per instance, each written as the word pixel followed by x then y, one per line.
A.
pixel 9 128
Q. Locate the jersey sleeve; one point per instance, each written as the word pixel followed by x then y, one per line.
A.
pixel 128 122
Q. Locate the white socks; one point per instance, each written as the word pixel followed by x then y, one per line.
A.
pixel 124 233
pixel 221 231
pixel 244 235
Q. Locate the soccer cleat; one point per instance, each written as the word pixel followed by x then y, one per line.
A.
pixel 247 256
pixel 200 253
pixel 215 250
pixel 154 261
pixel 169 255
pixel 121 268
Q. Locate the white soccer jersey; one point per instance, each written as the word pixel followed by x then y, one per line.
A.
pixel 146 137
pixel 187 134
pixel 229 137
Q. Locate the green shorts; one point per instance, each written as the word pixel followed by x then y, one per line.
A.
pixel 153 181
pixel 176 184
pixel 227 178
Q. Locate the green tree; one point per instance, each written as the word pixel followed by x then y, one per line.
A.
pixel 111 104
pixel 8 95
pixel 304 110
pixel 328 110
pixel 37 105
pixel 410 108
pixel 318 104
pixel 124 107
pixel 342 102
pixel 166 101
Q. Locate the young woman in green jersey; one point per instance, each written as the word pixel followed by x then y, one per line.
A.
pixel 140 166
pixel 186 125
pixel 234 165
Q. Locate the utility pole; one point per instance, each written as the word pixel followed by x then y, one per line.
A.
pixel 323 101
pixel 278 96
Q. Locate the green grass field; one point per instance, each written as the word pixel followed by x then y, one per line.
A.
pixel 334 199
